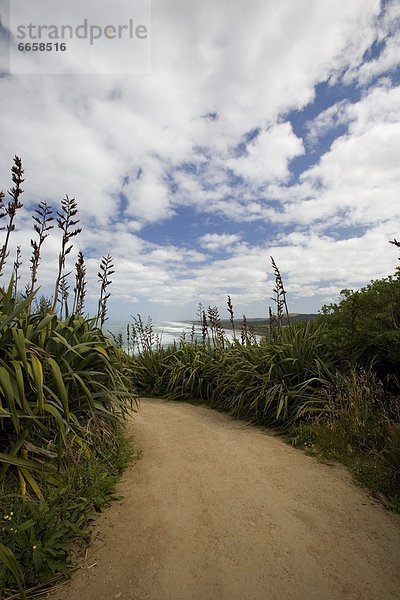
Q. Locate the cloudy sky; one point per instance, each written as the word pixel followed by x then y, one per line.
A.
pixel 262 127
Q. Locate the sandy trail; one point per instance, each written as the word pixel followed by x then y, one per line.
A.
pixel 218 510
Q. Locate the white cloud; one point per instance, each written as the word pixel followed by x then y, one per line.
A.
pixel 386 32
pixel 380 105
pixel 332 117
pixel 147 194
pixel 357 180
pixel 268 155
pixel 387 61
pixel 250 64
pixel 219 241
pixel 82 135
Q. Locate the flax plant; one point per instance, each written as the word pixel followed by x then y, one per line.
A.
pixel 204 328
pixel 42 219
pixel 66 223
pixel 144 336
pixel 231 316
pixel 80 285
pixel 17 264
pixel 2 208
pixel 217 332
pixel 129 341
pixel 64 294
pixel 106 270
pixel 280 295
pixel 59 381
pixel 244 332
pixel 11 209
pixel 202 322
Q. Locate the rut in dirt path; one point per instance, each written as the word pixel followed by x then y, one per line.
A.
pixel 218 510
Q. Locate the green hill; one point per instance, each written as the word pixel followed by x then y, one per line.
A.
pixel 260 325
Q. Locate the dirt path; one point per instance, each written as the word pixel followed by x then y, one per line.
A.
pixel 217 510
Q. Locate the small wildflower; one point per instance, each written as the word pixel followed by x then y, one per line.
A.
pixel 34 547
pixel 11 513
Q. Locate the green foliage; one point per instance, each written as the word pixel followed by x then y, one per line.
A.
pixel 11 566
pixel 57 379
pixel 53 376
pixel 358 427
pixel 268 382
pixel 364 327
pixel 39 532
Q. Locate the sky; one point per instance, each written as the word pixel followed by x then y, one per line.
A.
pixel 261 128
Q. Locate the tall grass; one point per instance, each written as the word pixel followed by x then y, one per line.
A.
pixel 39 532
pixel 62 382
pixel 357 422
pixel 270 381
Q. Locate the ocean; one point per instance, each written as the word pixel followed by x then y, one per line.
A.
pixel 168 331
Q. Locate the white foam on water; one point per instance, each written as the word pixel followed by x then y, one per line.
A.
pixel 168 331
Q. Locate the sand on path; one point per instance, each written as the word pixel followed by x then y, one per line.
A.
pixel 216 509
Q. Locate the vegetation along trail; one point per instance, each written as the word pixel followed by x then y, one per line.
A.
pixel 216 509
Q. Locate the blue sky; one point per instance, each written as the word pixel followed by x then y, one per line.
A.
pixel 262 128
